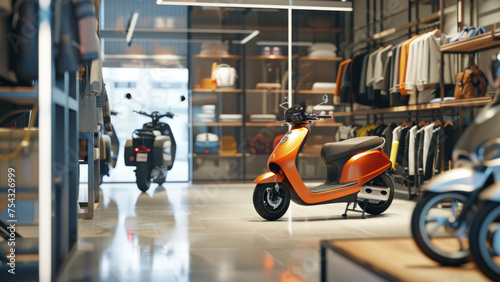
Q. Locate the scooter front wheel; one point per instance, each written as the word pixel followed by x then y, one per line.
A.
pixel 143 176
pixel 271 200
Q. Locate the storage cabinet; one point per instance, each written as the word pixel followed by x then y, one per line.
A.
pixel 244 145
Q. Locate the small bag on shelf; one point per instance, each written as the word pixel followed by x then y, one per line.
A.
pixel 206 143
pixel 228 145
pixel 225 75
pixel 470 83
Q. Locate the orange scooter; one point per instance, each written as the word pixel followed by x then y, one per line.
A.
pixel 355 172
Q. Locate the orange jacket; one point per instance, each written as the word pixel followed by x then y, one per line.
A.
pixel 338 85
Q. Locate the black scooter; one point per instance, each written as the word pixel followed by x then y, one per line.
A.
pixel 151 150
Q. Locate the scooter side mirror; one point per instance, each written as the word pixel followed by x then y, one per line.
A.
pixel 128 96
pixel 324 100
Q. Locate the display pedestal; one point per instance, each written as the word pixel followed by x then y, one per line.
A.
pixel 389 260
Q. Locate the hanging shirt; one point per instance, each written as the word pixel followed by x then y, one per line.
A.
pixel 346 84
pixel 396 136
pixel 428 132
pixel 362 82
pixel 378 69
pixel 403 60
pixel 386 82
pixel 411 150
pixel 396 66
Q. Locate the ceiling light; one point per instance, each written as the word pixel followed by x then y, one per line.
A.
pixel 260 4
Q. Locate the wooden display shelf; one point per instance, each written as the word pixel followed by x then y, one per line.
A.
pixel 319 92
pixel 264 124
pixel 277 91
pixel 472 102
pixel 233 124
pixel 20 95
pixel 320 59
pixel 270 28
pixel 216 57
pixel 220 155
pixel 477 43
pixel 216 90
pixel 205 98
pixel 394 259
pixel 324 123
pixel 271 57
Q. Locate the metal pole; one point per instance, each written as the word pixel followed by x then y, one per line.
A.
pixel 45 142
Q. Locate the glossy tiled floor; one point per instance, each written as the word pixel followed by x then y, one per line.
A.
pixel 212 233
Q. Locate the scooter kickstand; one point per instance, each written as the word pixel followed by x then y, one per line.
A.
pixel 346 209
pixel 364 208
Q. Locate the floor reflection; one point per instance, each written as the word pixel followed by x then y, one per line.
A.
pixel 181 232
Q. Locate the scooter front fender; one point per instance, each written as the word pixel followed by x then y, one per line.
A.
pixel 457 179
pixel 269 177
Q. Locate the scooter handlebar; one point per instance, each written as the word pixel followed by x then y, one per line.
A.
pixel 324 116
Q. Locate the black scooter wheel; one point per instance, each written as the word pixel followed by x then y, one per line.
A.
pixel 143 176
pixel 483 240
pixel 271 200
pixel 377 208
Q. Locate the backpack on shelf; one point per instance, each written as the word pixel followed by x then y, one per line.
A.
pixel 206 143
pixel 470 83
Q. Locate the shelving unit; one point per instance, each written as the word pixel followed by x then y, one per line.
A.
pixel 58 181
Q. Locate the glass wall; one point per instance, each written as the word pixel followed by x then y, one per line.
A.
pixel 154 89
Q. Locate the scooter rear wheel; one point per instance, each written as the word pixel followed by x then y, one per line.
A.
pixel 271 200
pixel 377 208
pixel 143 176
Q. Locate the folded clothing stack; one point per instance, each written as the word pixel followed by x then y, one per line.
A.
pixel 325 86
pixel 207 114
pixel 230 118
pixel 323 50
pixel 262 118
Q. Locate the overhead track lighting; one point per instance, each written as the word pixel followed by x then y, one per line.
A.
pixel 131 28
pixel 263 4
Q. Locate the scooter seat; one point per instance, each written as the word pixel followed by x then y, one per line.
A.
pixel 350 147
